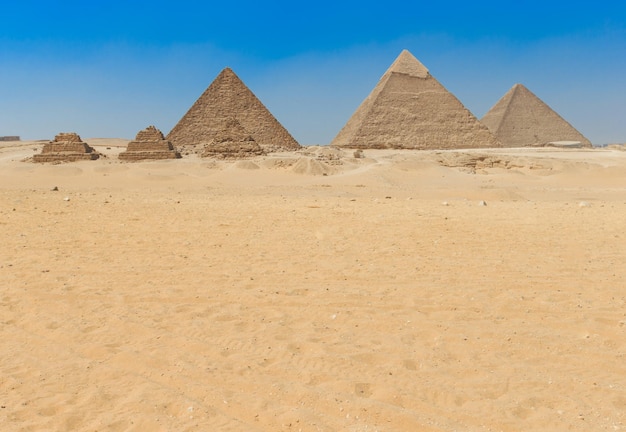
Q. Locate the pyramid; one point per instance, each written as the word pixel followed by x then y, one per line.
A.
pixel 149 144
pixel 66 147
pixel 228 97
pixel 231 141
pixel 521 119
pixel 410 109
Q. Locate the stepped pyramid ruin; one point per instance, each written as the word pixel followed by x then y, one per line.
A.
pixel 66 147
pixel 410 109
pixel 231 141
pixel 228 97
pixel 149 144
pixel 521 119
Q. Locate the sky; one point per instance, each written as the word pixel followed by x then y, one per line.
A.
pixel 110 69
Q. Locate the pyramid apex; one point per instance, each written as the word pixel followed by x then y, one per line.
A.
pixel 228 71
pixel 407 64
pixel 519 86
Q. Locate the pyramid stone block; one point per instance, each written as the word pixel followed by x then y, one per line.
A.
pixel 410 109
pixel 149 144
pixel 231 141
pixel 66 147
pixel 521 119
pixel 228 97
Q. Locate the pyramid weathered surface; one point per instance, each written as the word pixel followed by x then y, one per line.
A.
pixel 228 97
pixel 410 109
pixel 231 141
pixel 66 147
pixel 149 144
pixel 521 119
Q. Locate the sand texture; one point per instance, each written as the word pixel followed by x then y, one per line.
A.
pixel 314 291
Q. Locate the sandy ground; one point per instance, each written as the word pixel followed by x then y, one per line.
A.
pixel 263 295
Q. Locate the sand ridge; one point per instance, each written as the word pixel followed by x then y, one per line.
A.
pixel 199 294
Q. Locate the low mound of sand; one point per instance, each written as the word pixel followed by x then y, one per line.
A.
pixel 246 164
pixel 620 147
pixel 312 166
pixel 278 162
pixel 324 153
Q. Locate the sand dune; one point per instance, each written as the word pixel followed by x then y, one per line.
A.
pixel 314 291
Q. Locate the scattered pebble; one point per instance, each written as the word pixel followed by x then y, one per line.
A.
pixel 445 203
pixel 54 189
pixel 482 203
pixel 584 204
pixel 66 199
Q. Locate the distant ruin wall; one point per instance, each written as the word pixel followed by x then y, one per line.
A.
pixel 9 138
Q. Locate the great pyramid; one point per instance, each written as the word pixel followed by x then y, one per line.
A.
pixel 228 97
pixel 521 119
pixel 410 109
pixel 231 141
pixel 66 147
pixel 149 144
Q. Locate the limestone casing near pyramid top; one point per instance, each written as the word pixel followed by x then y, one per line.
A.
pixel 410 109
pixel 66 147
pixel 231 141
pixel 149 144
pixel 228 97
pixel 521 119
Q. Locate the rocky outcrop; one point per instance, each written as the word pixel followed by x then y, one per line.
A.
pixel 66 147
pixel 149 144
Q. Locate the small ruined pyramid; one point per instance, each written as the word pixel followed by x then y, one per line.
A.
pixel 521 119
pixel 149 144
pixel 228 97
pixel 231 141
pixel 410 109
pixel 66 147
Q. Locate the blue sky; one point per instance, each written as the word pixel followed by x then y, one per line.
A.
pixel 109 69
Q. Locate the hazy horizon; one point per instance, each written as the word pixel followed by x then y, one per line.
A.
pixel 110 72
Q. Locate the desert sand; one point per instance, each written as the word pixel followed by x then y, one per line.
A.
pixel 314 291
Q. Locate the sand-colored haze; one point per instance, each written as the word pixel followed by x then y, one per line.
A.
pixel 263 295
